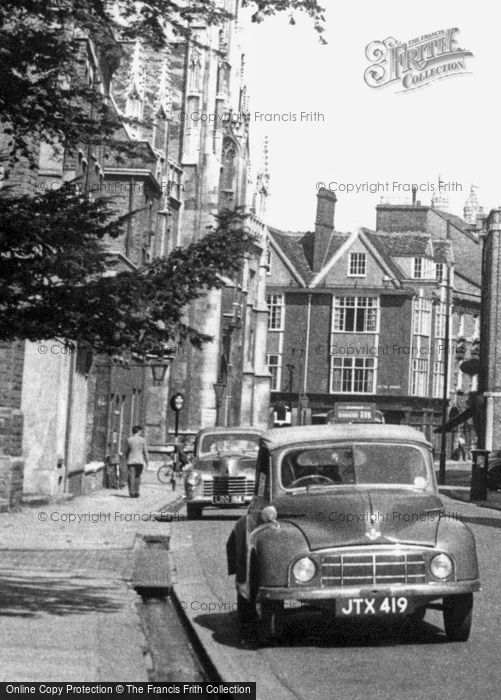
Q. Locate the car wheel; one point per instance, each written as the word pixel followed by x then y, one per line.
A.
pixel 418 614
pixel 194 511
pixel 246 612
pixel 270 621
pixel 458 610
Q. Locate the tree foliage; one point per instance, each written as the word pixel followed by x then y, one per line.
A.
pixel 42 91
pixel 53 256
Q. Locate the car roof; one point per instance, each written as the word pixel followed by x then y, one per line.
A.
pixel 281 437
pixel 228 431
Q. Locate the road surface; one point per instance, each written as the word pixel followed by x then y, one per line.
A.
pixel 320 659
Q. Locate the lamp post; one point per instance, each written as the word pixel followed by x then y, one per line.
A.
pixel 176 403
pixel 159 365
pixel 445 393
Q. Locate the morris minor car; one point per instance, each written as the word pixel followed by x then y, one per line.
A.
pixel 348 518
pixel 223 471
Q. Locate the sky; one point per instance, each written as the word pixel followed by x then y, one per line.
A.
pixel 373 135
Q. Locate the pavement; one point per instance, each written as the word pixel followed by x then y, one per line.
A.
pixel 458 482
pixel 68 610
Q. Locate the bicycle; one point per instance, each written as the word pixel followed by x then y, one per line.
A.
pixel 166 474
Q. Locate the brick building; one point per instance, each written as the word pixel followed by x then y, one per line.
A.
pixel 464 236
pixel 360 318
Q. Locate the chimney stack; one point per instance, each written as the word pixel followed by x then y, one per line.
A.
pixel 324 226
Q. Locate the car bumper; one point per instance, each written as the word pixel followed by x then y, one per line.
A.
pixel 207 501
pixel 425 591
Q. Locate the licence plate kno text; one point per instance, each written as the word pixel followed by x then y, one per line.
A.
pixel 373 606
pixel 228 499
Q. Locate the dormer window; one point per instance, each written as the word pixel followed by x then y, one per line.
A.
pixel 423 268
pixel 357 265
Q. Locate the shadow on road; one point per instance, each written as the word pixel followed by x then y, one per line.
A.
pixel 316 629
pixel 218 516
pixel 30 596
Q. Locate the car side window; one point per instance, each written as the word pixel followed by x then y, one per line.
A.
pixel 263 474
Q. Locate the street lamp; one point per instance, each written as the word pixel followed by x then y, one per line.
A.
pixel 159 365
pixel 176 403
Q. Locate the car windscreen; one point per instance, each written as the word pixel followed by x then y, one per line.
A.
pixel 387 464
pixel 224 443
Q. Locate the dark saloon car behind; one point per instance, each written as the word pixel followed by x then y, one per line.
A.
pixel 224 466
pixel 348 518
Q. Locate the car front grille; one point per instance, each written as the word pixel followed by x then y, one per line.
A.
pixel 228 486
pixel 371 569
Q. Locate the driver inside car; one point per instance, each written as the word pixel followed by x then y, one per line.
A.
pixel 345 469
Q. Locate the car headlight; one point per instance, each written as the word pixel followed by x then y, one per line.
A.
pixel 441 566
pixel 303 570
pixel 193 478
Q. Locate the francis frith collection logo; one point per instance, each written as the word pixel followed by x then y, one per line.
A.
pixel 415 63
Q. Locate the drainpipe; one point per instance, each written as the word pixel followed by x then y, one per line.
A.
pixel 445 394
pixel 69 418
pixel 307 344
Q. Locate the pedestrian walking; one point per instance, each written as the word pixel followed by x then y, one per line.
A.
pixel 461 447
pixel 137 459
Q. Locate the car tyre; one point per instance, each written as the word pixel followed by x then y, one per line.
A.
pixel 270 626
pixel 246 612
pixel 194 511
pixel 418 615
pixel 458 611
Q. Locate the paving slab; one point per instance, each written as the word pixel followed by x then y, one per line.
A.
pixel 68 611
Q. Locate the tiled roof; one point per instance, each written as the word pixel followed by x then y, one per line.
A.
pixel 395 245
pixel 467 264
pixel 455 221
pixel 297 246
pixel 335 243
pixel 406 244
pixel 381 246
pixel 292 245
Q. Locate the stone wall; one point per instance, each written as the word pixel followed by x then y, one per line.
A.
pixel 11 425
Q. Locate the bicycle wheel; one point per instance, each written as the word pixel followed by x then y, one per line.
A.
pixel 164 474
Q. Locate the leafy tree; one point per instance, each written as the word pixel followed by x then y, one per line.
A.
pixel 52 246
pixel 40 89
pixel 53 255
